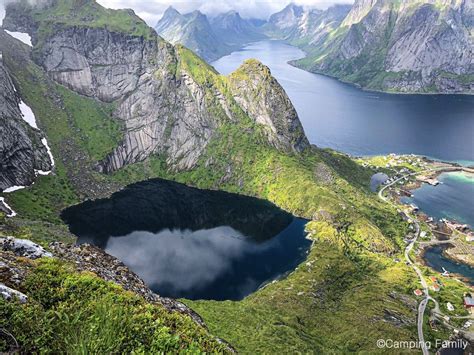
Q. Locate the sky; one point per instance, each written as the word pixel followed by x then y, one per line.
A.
pixel 152 10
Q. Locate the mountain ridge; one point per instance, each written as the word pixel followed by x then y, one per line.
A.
pixel 209 38
pixel 420 46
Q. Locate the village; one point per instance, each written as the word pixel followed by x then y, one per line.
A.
pixel 450 292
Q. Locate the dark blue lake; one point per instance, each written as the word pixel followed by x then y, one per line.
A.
pixel 358 122
pixel 192 243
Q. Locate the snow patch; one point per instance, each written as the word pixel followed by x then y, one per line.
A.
pixel 45 143
pixel 42 172
pixel 21 36
pixel 12 213
pixel 28 115
pixel 13 188
pixel 30 118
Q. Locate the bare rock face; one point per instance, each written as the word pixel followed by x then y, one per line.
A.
pixel 166 107
pixel 21 150
pixel 164 111
pixel 263 99
pixel 406 46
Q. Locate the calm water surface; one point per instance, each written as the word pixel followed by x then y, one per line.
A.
pixel 434 258
pixel 357 122
pixel 197 244
pixel 452 199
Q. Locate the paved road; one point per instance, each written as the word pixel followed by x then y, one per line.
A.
pixel 424 302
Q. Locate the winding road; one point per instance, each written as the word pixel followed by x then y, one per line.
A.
pixel 424 302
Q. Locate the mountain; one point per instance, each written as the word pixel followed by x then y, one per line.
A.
pixel 402 46
pixel 235 30
pixel 209 39
pixel 143 76
pixel 306 28
pixel 193 31
pixel 22 153
pixel 287 19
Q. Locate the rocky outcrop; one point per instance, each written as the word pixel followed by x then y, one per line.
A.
pixel 21 151
pixel 262 98
pixel 23 247
pixel 156 88
pixel 406 46
pixel 11 294
pixel 13 271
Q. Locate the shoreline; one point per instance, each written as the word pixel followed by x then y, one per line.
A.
pixel 445 247
pixel 292 62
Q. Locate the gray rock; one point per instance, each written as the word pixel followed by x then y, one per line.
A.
pixel 11 294
pixel 23 247
pixel 264 100
pixel 21 150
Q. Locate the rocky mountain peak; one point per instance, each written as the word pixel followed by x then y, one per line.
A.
pixel 169 101
pixel 264 100
pixel 358 11
pixel 287 17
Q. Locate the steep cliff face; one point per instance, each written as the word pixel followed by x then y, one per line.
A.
pixel 286 19
pixel 260 95
pixel 170 101
pixel 21 151
pixel 407 46
pixel 306 28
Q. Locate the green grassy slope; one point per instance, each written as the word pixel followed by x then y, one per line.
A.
pixel 78 313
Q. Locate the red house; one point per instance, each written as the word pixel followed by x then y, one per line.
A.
pixel 468 302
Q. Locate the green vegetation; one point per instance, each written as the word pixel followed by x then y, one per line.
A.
pixel 330 302
pixel 84 13
pixel 96 128
pixel 78 313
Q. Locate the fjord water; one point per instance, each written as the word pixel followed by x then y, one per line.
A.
pixel 345 118
pixel 191 243
pixel 452 199
pixel 434 258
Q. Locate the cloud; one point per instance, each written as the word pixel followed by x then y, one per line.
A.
pixel 151 11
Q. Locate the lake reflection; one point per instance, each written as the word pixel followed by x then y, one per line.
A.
pixel 191 243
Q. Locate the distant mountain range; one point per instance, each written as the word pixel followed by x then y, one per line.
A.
pixel 210 39
pixel 401 46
